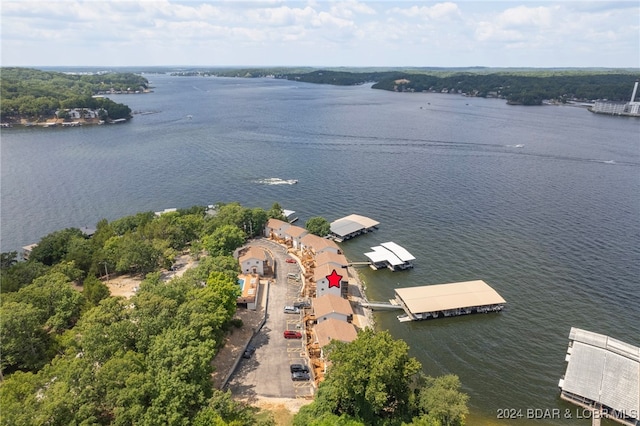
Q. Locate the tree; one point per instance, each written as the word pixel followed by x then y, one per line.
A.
pixel 57 303
pixel 442 401
pixel 318 226
pixel 54 247
pixel 8 259
pixel 24 341
pixel 94 290
pixel 276 212
pixel 369 379
pixel 20 275
pixel 224 240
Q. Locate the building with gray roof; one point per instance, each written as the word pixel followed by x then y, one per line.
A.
pixel 603 374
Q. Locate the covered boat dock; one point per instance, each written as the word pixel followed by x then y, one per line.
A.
pixel 390 255
pixel 447 300
pixel 351 226
pixel 603 375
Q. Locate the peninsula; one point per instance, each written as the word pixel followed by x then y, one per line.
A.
pixel 34 97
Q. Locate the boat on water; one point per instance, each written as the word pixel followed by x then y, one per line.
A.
pixel 277 181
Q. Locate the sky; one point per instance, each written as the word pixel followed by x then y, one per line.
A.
pixel 319 33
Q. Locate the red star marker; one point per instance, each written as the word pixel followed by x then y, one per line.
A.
pixel 334 279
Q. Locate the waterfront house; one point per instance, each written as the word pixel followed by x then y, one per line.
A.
pixel 294 234
pixel 317 245
pixel 330 306
pixel 335 260
pixel 326 284
pixel 333 329
pixel 276 228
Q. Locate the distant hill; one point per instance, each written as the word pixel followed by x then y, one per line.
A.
pixel 526 86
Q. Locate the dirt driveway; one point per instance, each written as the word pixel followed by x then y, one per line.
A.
pixel 127 285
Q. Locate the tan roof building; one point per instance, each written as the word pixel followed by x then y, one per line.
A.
pixel 319 245
pixel 253 261
pixel 276 228
pixel 331 306
pixel 295 234
pixel 333 329
pixel 324 284
pixel 338 260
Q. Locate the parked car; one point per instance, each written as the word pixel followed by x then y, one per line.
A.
pixel 290 260
pixel 291 310
pixel 302 304
pixel 299 367
pixel 291 334
pixel 300 376
pixel 248 353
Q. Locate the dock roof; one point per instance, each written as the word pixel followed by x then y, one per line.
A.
pixel 381 254
pixel 442 297
pixel 604 370
pixel 351 224
pixel 401 252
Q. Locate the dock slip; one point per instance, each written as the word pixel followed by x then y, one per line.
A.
pixel 390 255
pixel 447 300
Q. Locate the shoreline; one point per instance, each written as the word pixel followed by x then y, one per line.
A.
pixel 356 294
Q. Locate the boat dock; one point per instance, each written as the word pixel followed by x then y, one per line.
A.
pixel 602 377
pixel 351 226
pixel 447 300
pixel 390 255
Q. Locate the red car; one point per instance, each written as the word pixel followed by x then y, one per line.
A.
pixel 290 260
pixel 290 334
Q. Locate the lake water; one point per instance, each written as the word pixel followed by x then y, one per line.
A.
pixel 542 203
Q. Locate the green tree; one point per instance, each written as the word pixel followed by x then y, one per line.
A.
pixel 55 246
pixel 8 259
pixel 94 290
pixel 58 304
pixel 276 212
pixel 105 331
pixel 224 240
pixel 18 398
pixel 24 341
pixel 21 274
pixel 369 379
pixel 318 226
pixel 442 401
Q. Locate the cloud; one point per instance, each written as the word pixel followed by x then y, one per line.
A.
pixel 358 32
pixel 438 11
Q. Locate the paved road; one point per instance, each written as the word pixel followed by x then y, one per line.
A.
pixel 267 372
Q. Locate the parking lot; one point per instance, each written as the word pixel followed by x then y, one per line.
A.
pixel 267 373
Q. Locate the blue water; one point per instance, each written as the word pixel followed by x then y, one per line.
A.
pixel 540 202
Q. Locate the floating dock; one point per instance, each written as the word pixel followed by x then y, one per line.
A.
pixel 448 300
pixel 390 255
pixel 603 375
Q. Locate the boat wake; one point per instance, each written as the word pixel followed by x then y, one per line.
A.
pixel 276 181
pixel 516 146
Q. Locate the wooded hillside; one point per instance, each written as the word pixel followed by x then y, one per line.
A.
pixel 34 94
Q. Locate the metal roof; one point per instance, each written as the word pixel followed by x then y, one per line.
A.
pixel 401 252
pixel 350 224
pixel 441 297
pixel 381 254
pixel 604 370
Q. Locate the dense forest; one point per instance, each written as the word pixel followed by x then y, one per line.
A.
pixel 73 354
pixel 524 88
pixel 37 95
